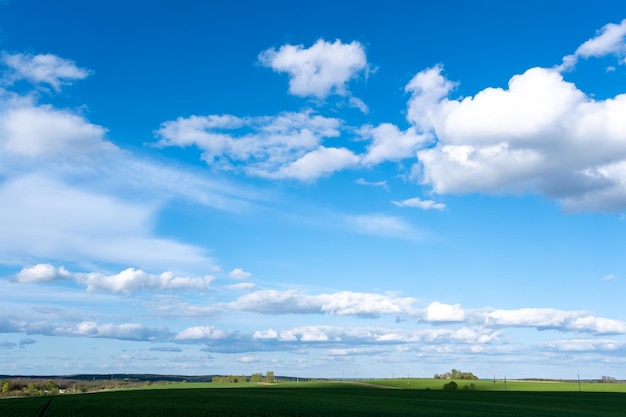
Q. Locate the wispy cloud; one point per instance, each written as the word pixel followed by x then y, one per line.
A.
pixel 381 225
pixel 611 39
pixel 288 145
pixel 42 69
pixel 381 184
pixel 420 204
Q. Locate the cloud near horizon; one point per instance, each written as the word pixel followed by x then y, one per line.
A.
pixel 125 282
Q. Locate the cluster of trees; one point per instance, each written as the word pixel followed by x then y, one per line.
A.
pixel 608 379
pixel 456 374
pixel 32 387
pixel 230 379
pixel 240 379
pixel 453 386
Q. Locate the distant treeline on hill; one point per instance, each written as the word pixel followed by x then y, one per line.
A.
pixel 118 377
pixel 28 385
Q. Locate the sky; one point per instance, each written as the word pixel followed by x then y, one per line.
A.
pixel 322 190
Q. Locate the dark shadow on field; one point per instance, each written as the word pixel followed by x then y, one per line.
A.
pixel 340 399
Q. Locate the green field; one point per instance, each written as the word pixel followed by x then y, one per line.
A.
pixel 318 399
pixel 499 385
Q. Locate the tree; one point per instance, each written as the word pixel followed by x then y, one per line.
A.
pixel 6 387
pixel 269 377
pixel 450 386
pixel 256 377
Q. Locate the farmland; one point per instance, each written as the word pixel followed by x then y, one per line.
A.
pixel 326 399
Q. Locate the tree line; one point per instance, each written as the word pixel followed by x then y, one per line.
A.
pixel 456 374
pixel 240 379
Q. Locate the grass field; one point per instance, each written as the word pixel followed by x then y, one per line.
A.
pixel 489 385
pixel 321 399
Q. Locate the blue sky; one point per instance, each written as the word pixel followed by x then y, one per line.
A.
pixel 330 190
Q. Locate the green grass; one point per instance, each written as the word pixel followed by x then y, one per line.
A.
pixel 488 385
pixel 316 399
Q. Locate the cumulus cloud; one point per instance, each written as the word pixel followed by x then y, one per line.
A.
pixel 420 204
pixel 441 313
pixel 42 273
pixel 288 145
pixel 239 273
pixel 320 70
pixel 42 69
pixel 125 282
pixel 338 304
pixel 388 143
pixel 541 134
pixel 202 333
pixel 538 318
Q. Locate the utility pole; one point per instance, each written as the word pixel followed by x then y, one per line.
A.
pixel 579 389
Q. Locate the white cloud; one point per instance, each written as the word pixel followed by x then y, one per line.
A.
pixel 42 131
pixel 50 220
pixel 42 273
pixel 381 184
pixel 339 304
pixel 202 333
pixel 376 335
pixel 319 162
pixel 428 89
pixel 610 277
pixel 541 134
pixel 359 104
pixel 548 318
pixel 440 313
pixel 587 345
pixel 131 280
pixel 243 286
pixel 611 39
pixel 239 273
pixel 420 204
pixel 388 143
pixel 319 70
pixel 248 359
pixel 124 331
pixel 43 69
pixel 127 281
pixel 284 146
